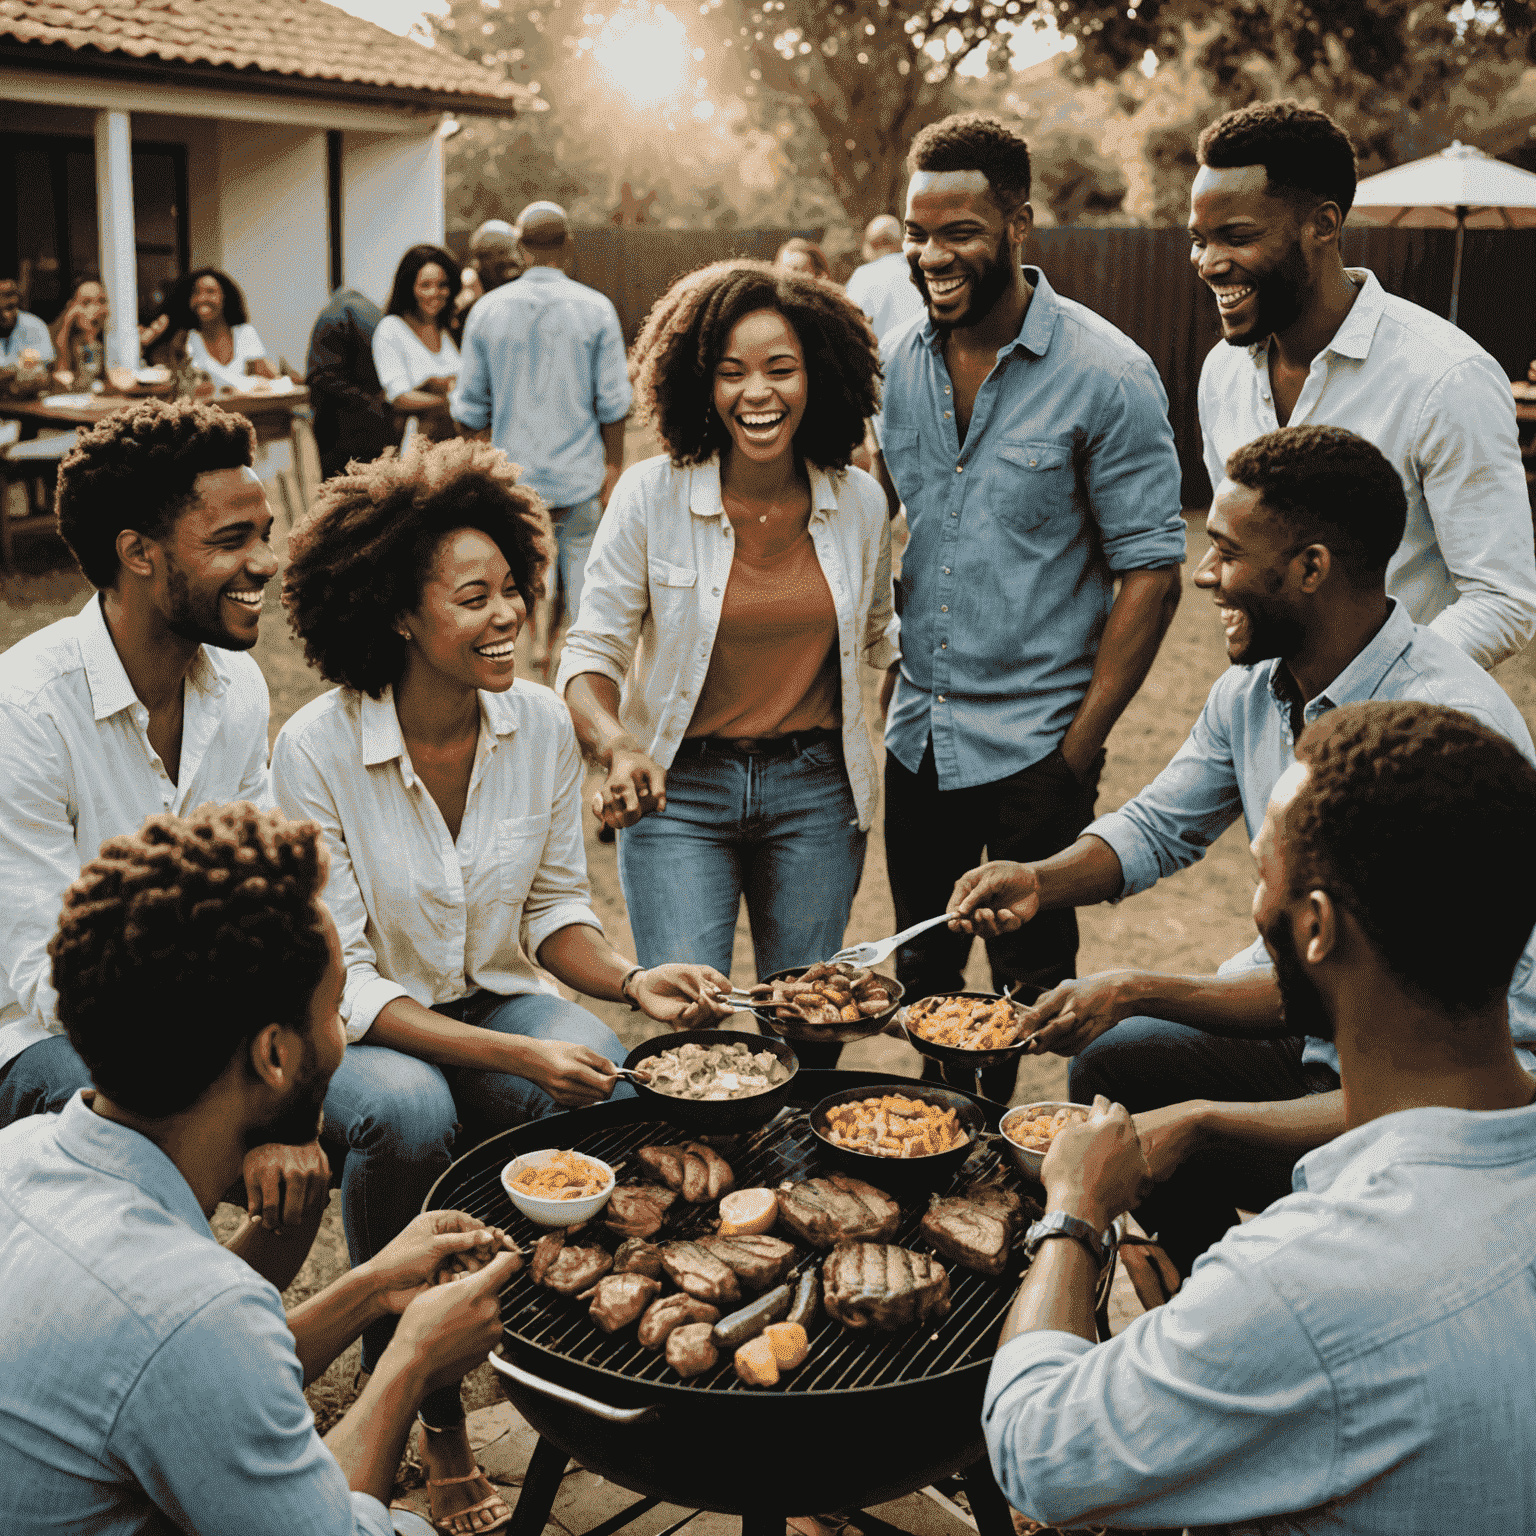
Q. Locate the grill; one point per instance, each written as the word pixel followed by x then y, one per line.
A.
pixel 901 1409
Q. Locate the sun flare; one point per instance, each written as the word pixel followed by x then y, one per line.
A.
pixel 644 49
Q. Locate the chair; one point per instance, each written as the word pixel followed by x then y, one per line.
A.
pixel 33 464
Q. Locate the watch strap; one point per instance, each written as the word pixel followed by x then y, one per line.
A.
pixel 1060 1224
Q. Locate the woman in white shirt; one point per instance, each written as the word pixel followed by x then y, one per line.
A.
pixel 450 798
pixel 221 341
pixel 413 353
pixel 732 589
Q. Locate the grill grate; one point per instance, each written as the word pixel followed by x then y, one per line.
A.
pixel 840 1359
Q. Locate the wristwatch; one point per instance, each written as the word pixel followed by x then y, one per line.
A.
pixel 1058 1224
pixel 624 993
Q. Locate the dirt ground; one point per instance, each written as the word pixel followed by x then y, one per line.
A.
pixel 1188 923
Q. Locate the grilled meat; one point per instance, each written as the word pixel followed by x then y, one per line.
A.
pixel 719 1177
pixel 691 1349
pixel 696 1171
pixel 758 1262
pixel 617 1300
pixel 664 1163
pixel 696 1270
pixel 669 1312
pixel 976 1229
pixel 637 1210
pixel 877 1285
pixel 565 1269
pixel 635 1257
pixel 837 1209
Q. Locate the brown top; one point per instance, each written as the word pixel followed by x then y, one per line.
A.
pixel 774 666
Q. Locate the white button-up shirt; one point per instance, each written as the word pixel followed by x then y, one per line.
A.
pixel 656 581
pixel 1440 409
pixel 420 914
pixel 76 767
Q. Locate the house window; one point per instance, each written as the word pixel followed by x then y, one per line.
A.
pixel 48 222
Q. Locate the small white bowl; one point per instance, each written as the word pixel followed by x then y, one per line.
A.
pixel 555 1213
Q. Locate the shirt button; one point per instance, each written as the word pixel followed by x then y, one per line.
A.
pixel 958 468
pixel 954 514
pixel 1033 462
pixel 943 645
pixel 715 591
pixel 943 607
pixel 946 570
pixel 946 389
pixel 941 698
pixel 948 414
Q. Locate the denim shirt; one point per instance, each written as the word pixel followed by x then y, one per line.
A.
pixel 1067 478
pixel 148 1380
pixel 1359 1358
pixel 1242 744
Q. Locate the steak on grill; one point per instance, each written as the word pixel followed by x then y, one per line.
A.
pixel 638 1210
pixel 691 1349
pixel 617 1300
pixel 567 1270
pixel 635 1257
pixel 976 1229
pixel 669 1312
pixel 878 1285
pixel 696 1270
pixel 822 1212
pixel 758 1262
pixel 696 1172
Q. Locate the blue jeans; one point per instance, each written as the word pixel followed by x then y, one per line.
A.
pixel 575 528
pixel 41 1080
pixel 784 831
pixel 397 1116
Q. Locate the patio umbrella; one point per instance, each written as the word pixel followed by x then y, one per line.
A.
pixel 1460 188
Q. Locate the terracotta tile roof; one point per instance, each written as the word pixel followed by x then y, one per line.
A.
pixel 296 39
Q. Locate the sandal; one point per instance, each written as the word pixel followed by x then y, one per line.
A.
pixel 456 1524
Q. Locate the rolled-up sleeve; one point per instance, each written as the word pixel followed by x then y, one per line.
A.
pixel 470 402
pixel 612 393
pixel 391 361
pixel 560 894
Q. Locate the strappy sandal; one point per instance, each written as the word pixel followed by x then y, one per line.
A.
pixel 456 1524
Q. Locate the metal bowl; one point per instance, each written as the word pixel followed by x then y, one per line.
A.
pixel 714 1117
pixel 900 1175
pixel 958 1056
pixel 828 1034
pixel 1029 1163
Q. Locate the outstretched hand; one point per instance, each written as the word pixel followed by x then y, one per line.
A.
pixel 454 1326
pixel 999 897
pixel 435 1247
pixel 1074 1013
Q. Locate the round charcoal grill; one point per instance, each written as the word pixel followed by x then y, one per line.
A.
pixel 867 1418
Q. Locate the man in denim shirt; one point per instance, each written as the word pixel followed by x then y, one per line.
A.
pixel 1030 442
pixel 1228 1090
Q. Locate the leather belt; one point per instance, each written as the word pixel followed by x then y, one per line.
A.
pixel 789 745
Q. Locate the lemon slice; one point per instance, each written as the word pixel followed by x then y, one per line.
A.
pixel 746 1212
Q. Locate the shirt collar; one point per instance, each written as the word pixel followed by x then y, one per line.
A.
pixel 125 1154
pixel 543 275
pixel 1039 320
pixel 706 500
pixel 1362 677
pixel 383 743
pixel 1353 338
pixel 105 675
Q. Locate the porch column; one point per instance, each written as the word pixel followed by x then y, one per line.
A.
pixel 114 217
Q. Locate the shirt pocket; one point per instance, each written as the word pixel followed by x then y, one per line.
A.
pixel 672 586
pixel 520 844
pixel 902 453
pixel 1043 486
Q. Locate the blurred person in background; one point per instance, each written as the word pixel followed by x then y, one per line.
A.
pixel 493 262
pixel 221 342
pixel 26 348
pixel 86 353
pixel 352 418
pixel 803 256
pixel 734 587
pixel 883 286
pixel 545 378
pixel 414 355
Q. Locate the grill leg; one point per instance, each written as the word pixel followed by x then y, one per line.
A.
pixel 988 1506
pixel 541 1484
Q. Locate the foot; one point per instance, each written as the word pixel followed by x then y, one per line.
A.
pixel 464 1500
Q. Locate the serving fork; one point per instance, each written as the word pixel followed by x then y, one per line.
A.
pixel 873 951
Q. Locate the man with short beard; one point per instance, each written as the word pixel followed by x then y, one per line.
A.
pixel 1307 340
pixel 1029 440
pixel 1228 1087
pixel 1359 1357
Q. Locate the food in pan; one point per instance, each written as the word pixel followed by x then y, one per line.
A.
pixel 566 1269
pixel 566 1176
pixel 825 994
pixel 691 1350
pixel 697 1172
pixel 634 1256
pixel 674 1311
pixel 966 1023
pixel 730 1070
pixel 617 1300
pixel 878 1285
pixel 1035 1133
pixel 757 1261
pixel 693 1268
pixel 976 1229
pixel 734 1330
pixel 638 1210
pixel 893 1125
pixel 747 1211
pixel 822 1212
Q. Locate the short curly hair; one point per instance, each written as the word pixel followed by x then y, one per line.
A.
pixel 1406 798
pixel 137 469
pixel 365 554
pixel 1306 155
pixel 684 337
pixel 977 141
pixel 180 942
pixel 1329 486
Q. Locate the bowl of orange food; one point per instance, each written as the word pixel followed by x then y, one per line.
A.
pixel 557 1189
pixel 1029 1129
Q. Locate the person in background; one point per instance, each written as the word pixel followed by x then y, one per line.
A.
pixel 883 286
pixel 221 342
pixel 86 354
pixel 1329 1367
pixel 414 355
pixel 493 262
pixel 26 349
pixel 352 419
pixel 1309 341
pixel 206 933
pixel 804 256
pixel 544 377
pixel 733 589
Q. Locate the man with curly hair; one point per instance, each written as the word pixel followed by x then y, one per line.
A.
pixel 208 933
pixel 1029 440
pixel 1306 339
pixel 1359 1357
pixel 1229 1087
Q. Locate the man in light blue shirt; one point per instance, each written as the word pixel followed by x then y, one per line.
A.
pixel 1029 440
pixel 1302 530
pixel 1359 1357
pixel 149 1378
pixel 544 374
pixel 883 286
pixel 21 332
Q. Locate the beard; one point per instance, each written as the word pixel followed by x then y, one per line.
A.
pixel 1306 1013
pixel 1282 295
pixel 989 283
pixel 1271 633
pixel 297 1123
pixel 195 616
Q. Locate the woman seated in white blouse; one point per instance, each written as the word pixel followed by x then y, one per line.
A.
pixel 207 304
pixel 413 353
pixel 450 797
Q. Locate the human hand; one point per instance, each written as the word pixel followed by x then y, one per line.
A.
pixel 888 687
pixel 1095 1168
pixel 436 1247
pixel 1073 1014
pixel 572 1075
pixel 260 368
pixel 998 897
pixel 635 787
pixel 151 333
pixel 447 1330
pixel 1153 1275
pixel 1170 1134
pixel 684 996
pixel 284 1184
